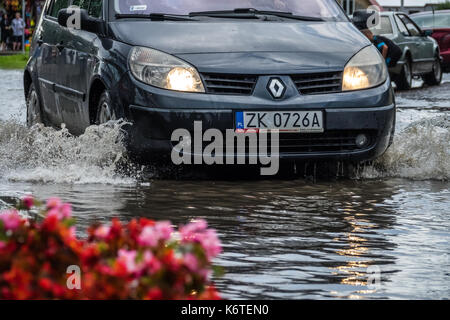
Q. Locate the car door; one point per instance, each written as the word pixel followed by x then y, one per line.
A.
pixel 48 69
pixel 419 48
pixel 78 60
pixel 427 50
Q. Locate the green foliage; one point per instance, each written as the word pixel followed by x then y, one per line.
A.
pixel 443 6
pixel 17 61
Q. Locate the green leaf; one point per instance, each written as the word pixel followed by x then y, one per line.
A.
pixel 218 271
pixel 69 222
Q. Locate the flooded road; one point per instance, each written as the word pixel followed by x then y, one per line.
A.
pixel 283 238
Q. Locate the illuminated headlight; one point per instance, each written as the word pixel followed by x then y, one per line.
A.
pixel 365 70
pixel 164 71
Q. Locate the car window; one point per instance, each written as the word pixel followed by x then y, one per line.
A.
pixel 56 6
pixel 83 4
pixel 424 21
pixel 413 30
pixel 95 8
pixel 433 21
pixel 401 26
pixel 385 27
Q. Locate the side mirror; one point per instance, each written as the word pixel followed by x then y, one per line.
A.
pixel 427 33
pixel 77 18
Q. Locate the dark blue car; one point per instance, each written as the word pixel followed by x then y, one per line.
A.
pixel 299 67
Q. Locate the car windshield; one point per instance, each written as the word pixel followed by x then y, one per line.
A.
pixel 324 9
pixel 433 21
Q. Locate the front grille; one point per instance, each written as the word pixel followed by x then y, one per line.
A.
pixel 318 83
pixel 332 141
pixel 232 84
pixel 327 142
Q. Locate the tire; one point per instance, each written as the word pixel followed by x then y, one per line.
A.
pixel 434 78
pixel 34 111
pixel 105 111
pixel 404 79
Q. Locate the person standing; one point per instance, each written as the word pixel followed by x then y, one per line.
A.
pixel 4 28
pixel 18 27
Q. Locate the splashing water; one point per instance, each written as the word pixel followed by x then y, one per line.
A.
pixel 421 151
pixel 42 154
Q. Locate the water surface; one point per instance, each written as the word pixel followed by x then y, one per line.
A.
pixel 290 238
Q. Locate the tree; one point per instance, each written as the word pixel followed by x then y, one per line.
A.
pixel 443 6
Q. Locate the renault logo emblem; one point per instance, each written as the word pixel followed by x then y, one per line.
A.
pixel 276 88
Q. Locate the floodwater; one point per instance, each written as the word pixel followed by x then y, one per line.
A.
pixel 288 238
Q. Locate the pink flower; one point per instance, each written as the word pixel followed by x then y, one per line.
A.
pixel 28 202
pixel 151 262
pixel 211 243
pixel 197 232
pixel 53 203
pixel 102 232
pixel 65 210
pixel 164 230
pixel 191 262
pixel 53 212
pixel 194 227
pixel 128 258
pixel 61 211
pixel 2 245
pixel 11 220
pixel 148 237
pixel 151 235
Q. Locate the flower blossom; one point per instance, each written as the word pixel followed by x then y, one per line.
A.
pixel 151 235
pixel 191 262
pixel 28 202
pixel 141 259
pixel 11 220
pixel 102 232
pixel 128 259
pixel 58 209
pixel 198 232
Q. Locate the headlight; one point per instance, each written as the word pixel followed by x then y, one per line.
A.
pixel 164 71
pixel 366 69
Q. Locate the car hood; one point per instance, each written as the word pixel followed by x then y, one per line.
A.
pixel 251 47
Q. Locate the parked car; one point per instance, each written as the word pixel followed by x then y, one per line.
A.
pixel 162 67
pixel 439 23
pixel 421 54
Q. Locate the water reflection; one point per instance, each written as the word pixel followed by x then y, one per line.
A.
pixel 294 239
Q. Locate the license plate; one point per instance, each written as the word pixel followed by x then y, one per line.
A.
pixel 281 121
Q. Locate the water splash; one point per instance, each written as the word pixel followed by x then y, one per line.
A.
pixel 44 155
pixel 421 151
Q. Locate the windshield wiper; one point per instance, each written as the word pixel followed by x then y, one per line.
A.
pixel 251 13
pixel 154 17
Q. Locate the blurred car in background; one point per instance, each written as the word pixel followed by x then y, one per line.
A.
pixel 439 23
pixel 421 53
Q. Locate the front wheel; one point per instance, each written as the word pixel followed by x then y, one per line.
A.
pixel 434 78
pixel 105 111
pixel 34 112
pixel 404 80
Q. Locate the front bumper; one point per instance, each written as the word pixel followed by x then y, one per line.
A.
pixel 157 113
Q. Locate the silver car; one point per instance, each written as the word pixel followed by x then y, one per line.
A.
pixel 421 55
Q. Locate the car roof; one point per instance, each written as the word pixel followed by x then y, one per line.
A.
pixel 428 13
pixel 388 13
